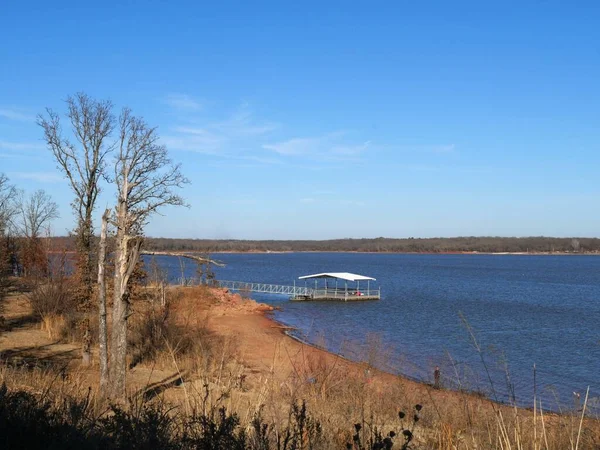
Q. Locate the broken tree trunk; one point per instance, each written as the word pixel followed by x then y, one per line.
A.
pixel 103 333
pixel 128 248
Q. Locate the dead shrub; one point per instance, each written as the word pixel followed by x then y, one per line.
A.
pixel 157 331
pixel 74 327
pixel 54 303
pixel 148 335
pixel 56 297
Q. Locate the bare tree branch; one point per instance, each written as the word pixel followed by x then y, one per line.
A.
pixel 92 123
pixel 146 180
pixel 198 259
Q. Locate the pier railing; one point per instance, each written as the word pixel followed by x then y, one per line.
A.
pixel 343 294
pixel 297 292
pixel 265 288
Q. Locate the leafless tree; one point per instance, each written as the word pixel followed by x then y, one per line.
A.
pixel 34 212
pixel 8 192
pixel 7 211
pixel 82 161
pixel 145 178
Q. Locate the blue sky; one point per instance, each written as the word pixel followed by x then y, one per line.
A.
pixel 319 120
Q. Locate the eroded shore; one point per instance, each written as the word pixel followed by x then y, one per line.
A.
pixel 267 348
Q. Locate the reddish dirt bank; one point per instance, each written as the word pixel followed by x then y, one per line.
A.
pixel 265 348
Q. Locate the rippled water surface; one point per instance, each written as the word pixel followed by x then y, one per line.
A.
pixel 522 310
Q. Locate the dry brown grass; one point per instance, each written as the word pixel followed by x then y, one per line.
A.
pixel 54 325
pixel 338 395
pixel 175 336
pixel 55 304
pixel 54 383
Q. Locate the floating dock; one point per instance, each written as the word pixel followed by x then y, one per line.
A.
pixel 328 287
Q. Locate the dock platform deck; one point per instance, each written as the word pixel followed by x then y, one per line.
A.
pixel 338 295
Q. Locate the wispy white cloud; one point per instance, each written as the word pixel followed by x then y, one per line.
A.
pixel 228 138
pixel 351 150
pixel 182 102
pixel 15 114
pixel 194 139
pixel 243 123
pixel 191 130
pixel 244 137
pixel 20 146
pixel 329 147
pixel 296 146
pixel 21 150
pixel 41 177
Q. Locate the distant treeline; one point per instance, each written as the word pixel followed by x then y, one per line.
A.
pixel 409 245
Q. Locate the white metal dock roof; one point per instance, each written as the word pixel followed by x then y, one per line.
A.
pixel 341 275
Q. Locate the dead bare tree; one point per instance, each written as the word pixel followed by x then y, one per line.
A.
pixel 34 214
pixel 159 280
pixel 82 162
pixel 103 332
pixel 8 193
pixel 145 179
pixel 7 211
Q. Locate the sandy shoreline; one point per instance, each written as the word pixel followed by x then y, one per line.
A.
pixel 267 349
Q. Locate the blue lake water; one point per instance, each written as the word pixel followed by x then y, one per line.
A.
pixel 522 310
